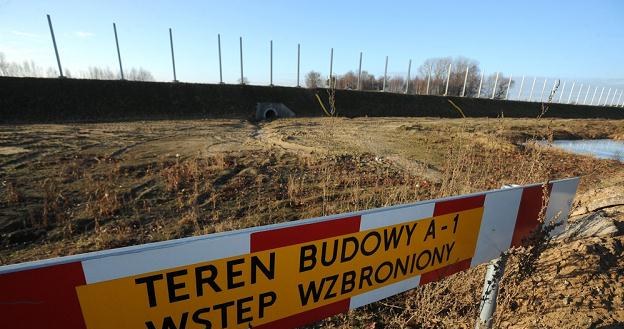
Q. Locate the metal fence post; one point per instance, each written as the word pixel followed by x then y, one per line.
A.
pixel 593 96
pixel 359 80
pixel 175 78
pixel 578 95
pixel 586 95
pixel 220 67
pixel 571 91
pixel 555 84
pixel 562 90
pixel 118 52
pixel 298 62
pixel 613 98
pixel 495 85
pixel 465 81
pixel 607 98
pixel 409 68
pixel 385 75
pixel 448 78
pixel 533 87
pixel 240 44
pixel 58 59
pixel 271 66
pixel 543 90
pixel 520 91
pixel 600 97
pixel 331 67
pixel 428 80
pixel 480 85
pixel 508 86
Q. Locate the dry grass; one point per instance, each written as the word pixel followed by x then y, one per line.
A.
pixel 11 194
pixel 97 203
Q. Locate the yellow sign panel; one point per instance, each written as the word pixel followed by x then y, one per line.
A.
pixel 262 287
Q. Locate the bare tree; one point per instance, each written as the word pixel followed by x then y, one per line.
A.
pixel 24 69
pixel 99 74
pixel 245 81
pixel 501 86
pixel 313 79
pixel 438 67
pixel 347 81
pixel 139 74
pixel 396 84
pixel 368 81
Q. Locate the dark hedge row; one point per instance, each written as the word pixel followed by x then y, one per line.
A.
pixel 30 100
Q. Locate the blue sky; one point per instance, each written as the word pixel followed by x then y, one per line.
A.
pixel 569 39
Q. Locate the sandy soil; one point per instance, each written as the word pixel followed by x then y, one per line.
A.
pixel 66 189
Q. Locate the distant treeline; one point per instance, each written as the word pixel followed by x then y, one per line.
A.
pixel 430 78
pixel 31 69
pixel 432 72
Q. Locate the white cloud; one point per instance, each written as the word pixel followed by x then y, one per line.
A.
pixel 25 34
pixel 84 35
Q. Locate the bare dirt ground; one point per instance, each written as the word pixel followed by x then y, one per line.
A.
pixel 67 189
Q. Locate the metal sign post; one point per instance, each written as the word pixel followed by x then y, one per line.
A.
pixel 493 275
pixel 487 307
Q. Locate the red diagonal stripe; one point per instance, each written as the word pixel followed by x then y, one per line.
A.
pixel 528 213
pixel 42 298
pixel 307 317
pixel 457 205
pixel 445 271
pixel 303 233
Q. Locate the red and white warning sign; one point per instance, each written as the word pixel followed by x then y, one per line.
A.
pixel 276 276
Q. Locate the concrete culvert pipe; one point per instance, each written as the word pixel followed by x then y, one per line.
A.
pixel 270 114
pixel 271 111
